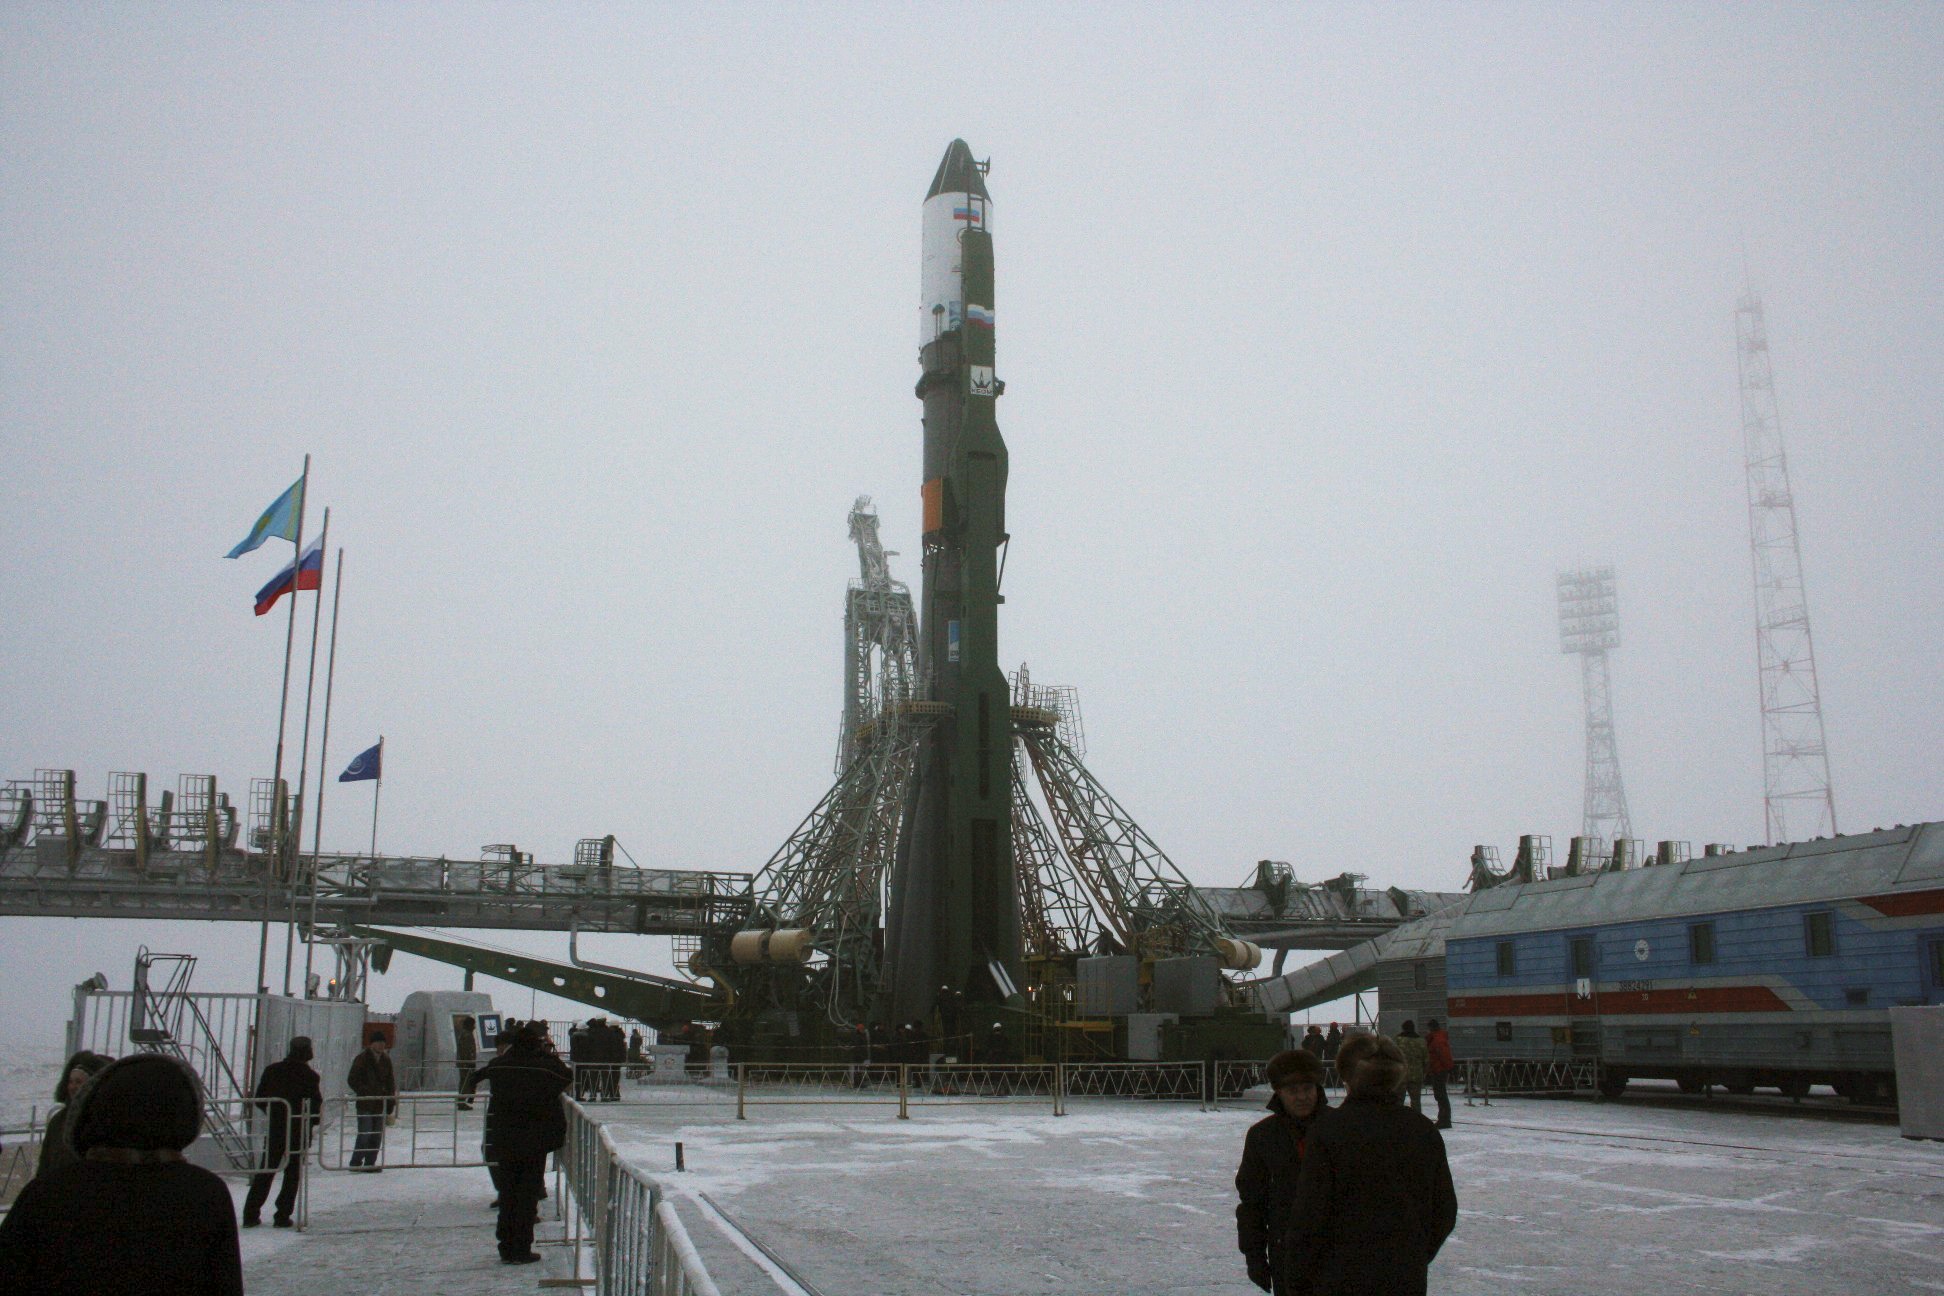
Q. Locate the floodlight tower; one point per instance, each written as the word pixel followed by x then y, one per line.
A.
pixel 1795 759
pixel 1589 625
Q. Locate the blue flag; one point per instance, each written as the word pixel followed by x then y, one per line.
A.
pixel 367 766
pixel 279 520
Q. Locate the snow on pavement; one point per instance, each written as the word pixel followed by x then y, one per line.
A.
pixel 1132 1197
pixel 1554 1197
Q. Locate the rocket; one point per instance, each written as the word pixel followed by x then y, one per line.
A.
pixel 954 904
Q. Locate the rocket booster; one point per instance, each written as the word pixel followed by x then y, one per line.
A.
pixel 954 920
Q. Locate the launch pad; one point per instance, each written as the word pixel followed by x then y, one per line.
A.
pixel 967 886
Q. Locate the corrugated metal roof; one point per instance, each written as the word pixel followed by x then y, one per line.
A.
pixel 1876 863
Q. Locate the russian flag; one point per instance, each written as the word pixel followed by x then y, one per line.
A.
pixel 978 316
pixel 306 573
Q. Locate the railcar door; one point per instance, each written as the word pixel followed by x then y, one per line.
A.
pixel 1934 970
pixel 1583 996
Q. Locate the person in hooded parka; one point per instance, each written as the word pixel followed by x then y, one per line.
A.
pixel 54 1149
pixel 131 1217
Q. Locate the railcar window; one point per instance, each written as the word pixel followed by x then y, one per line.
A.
pixel 1817 935
pixel 1583 958
pixel 1508 962
pixel 1701 943
pixel 1937 963
pixel 1420 976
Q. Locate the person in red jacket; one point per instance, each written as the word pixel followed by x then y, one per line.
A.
pixel 1439 1069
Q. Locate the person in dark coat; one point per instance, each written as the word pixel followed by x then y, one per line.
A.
pixel 131 1217
pixel 524 1122
pixel 577 1055
pixel 1374 1200
pixel 614 1055
pixel 1313 1042
pixel 1417 1063
pixel 1438 1045
pixel 291 1098
pixel 1272 1153
pixel 54 1149
pixel 371 1079
pixel 469 1087
pixel 1332 1042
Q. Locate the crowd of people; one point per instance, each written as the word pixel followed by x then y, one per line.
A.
pixel 1352 1200
pixel 1348 1200
pixel 598 1051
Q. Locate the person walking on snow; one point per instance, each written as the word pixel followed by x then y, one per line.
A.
pixel 292 1099
pixel 1374 1199
pixel 1417 1061
pixel 1272 1153
pixel 524 1122
pixel 371 1079
pixel 1438 1045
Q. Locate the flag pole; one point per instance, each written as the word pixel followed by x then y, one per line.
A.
pixel 323 765
pixel 303 760
pixel 276 774
pixel 375 792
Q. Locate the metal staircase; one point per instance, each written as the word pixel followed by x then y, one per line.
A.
pixel 169 1021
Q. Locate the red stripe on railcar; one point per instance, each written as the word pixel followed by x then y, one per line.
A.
pixel 1907 904
pixel 1617 1003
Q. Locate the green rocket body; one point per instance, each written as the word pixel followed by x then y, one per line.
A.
pixel 954 916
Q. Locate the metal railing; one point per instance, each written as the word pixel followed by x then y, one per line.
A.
pixel 640 1245
pixel 421 1131
pixel 1514 1076
pixel 1233 1081
pixel 19 1155
pixel 956 1084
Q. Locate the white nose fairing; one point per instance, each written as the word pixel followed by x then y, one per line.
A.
pixel 958 202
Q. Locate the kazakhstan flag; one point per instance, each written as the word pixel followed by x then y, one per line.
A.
pixel 279 521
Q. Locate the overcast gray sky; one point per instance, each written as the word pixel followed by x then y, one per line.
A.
pixel 1330 334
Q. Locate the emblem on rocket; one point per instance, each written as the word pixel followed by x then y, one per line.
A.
pixel 954 921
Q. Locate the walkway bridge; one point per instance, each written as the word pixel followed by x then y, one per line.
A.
pixel 123 858
pixel 188 856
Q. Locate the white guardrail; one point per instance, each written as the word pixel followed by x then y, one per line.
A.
pixel 640 1245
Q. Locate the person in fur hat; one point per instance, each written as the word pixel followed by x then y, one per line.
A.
pixel 131 1217
pixel 1271 1155
pixel 1374 1199
pixel 54 1149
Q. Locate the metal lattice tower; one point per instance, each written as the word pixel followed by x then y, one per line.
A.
pixel 1796 791
pixel 1589 626
pixel 880 635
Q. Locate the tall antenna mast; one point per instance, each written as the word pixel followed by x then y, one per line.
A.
pixel 1589 625
pixel 1795 760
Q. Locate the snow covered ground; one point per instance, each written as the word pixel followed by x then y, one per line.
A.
pixel 1555 1196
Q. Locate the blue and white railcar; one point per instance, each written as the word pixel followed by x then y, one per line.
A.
pixel 1776 966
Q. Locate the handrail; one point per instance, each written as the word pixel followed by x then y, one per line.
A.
pixel 640 1243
